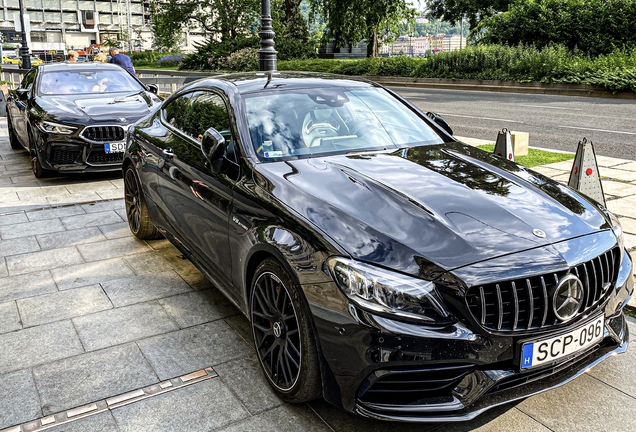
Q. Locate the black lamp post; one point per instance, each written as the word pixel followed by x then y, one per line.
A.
pixel 24 49
pixel 267 53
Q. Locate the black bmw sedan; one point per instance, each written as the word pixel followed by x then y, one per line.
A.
pixel 383 265
pixel 72 117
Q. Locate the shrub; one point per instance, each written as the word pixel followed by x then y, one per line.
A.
pixel 212 55
pixel 146 58
pixel 289 49
pixel 245 59
pixel 170 60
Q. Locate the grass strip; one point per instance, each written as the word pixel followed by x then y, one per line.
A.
pixel 535 157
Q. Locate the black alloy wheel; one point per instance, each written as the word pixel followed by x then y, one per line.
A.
pixel 283 335
pixel 136 211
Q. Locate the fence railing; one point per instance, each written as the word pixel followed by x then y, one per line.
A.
pixel 167 81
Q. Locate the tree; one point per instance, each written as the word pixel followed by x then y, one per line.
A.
pixel 453 11
pixel 592 27
pixel 223 18
pixel 351 21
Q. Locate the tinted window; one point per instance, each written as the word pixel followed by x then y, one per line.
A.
pixel 195 113
pixel 79 82
pixel 309 122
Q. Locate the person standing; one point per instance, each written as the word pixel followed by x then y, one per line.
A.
pixel 100 57
pixel 121 60
pixel 73 56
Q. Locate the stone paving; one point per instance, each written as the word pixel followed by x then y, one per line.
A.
pixel 87 312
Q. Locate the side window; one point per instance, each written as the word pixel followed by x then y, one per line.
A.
pixel 173 113
pixel 206 110
pixel 194 113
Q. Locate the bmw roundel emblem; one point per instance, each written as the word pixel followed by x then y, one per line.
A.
pixel 122 119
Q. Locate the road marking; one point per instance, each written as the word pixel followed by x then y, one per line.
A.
pixel 113 402
pixel 599 130
pixel 550 107
pixel 481 118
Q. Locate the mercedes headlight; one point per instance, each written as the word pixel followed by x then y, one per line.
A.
pixel 618 232
pixel 388 293
pixel 55 128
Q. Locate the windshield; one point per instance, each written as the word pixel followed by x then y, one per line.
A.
pixel 309 122
pixel 105 81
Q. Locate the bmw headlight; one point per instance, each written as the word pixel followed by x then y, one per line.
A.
pixel 618 232
pixel 55 128
pixel 388 293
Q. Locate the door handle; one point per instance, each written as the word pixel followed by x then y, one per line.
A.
pixel 168 152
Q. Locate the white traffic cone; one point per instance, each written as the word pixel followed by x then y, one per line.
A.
pixel 584 176
pixel 503 146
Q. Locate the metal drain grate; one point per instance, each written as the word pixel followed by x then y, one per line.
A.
pixel 114 402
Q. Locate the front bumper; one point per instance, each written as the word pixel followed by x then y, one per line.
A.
pixel 389 370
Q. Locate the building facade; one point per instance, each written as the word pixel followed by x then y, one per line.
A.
pixel 57 26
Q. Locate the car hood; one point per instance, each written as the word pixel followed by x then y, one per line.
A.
pixel 97 108
pixel 450 205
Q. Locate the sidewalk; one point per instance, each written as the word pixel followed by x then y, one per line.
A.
pixel 109 333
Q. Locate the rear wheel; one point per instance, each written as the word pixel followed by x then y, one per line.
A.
pixel 283 334
pixel 136 210
pixel 13 140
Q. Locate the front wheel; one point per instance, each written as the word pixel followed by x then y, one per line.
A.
pixel 36 166
pixel 283 334
pixel 136 210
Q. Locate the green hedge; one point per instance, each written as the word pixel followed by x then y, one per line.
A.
pixel 615 72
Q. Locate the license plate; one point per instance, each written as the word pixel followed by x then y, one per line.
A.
pixel 544 351
pixel 115 147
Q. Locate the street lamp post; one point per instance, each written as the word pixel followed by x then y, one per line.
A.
pixel 267 53
pixel 24 49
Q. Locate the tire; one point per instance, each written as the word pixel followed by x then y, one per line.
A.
pixel 38 171
pixel 13 140
pixel 283 334
pixel 136 210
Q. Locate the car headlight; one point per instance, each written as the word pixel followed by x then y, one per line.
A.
pixel 618 232
pixel 55 128
pixel 388 293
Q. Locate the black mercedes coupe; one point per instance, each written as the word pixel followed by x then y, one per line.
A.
pixel 382 264
pixel 72 117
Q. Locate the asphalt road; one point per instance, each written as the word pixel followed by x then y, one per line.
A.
pixel 556 122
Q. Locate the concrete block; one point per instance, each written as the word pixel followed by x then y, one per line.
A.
pixel 63 305
pixel 126 324
pixel 89 377
pixel 38 345
pixel 19 401
pixel 194 348
pixel 520 142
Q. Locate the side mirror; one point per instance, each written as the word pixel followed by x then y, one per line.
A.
pixel 22 93
pixel 152 88
pixel 213 146
pixel 440 122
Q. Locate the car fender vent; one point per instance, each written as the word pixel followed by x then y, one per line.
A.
pixel 526 304
pixel 407 386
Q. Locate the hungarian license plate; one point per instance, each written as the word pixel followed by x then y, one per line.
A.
pixel 118 147
pixel 548 350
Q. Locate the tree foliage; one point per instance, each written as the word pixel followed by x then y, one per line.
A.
pixel 453 11
pixel 225 19
pixel 592 27
pixel 351 21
